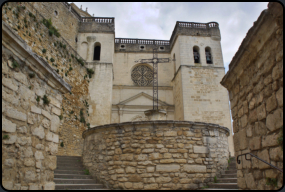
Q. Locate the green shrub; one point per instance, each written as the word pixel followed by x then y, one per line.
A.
pixel 61 144
pixel 215 179
pixel 90 72
pixel 44 50
pixel 72 55
pixel 5 137
pixel 70 68
pixel 31 75
pixel 25 20
pixel 71 112
pixel 60 117
pixel 50 32
pixel 80 60
pixel 38 98
pixel 271 181
pixel 64 46
pixel 45 100
pixel 52 59
pixel 15 64
pixel 86 172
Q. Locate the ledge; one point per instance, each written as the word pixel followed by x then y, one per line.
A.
pixel 189 124
pixel 21 49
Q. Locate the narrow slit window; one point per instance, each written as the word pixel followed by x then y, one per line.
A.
pixel 196 54
pixel 97 50
pixel 208 55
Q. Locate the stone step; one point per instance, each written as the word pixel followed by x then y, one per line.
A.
pixel 74 181
pixel 72 176
pixel 217 189
pixel 78 186
pixel 70 164
pixel 229 176
pixel 227 180
pixel 77 168
pixel 230 171
pixel 223 185
pixel 56 171
pixel 68 158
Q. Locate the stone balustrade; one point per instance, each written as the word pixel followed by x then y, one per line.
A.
pixel 98 19
pixel 162 154
pixel 141 41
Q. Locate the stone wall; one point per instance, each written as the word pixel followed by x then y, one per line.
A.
pixel 156 154
pixel 255 84
pixel 30 126
pixel 62 59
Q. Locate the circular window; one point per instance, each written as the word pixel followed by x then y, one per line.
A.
pixel 142 75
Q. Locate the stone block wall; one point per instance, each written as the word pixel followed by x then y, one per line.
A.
pixel 156 154
pixel 30 127
pixel 255 84
pixel 65 63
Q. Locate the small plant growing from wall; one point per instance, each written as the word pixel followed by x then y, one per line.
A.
pixel 60 117
pixel 52 29
pixel 32 75
pixel 52 59
pixel 271 181
pixel 82 119
pixel 86 172
pixel 5 137
pixel 38 98
pixel 61 144
pixel 44 50
pixel 80 60
pixel 90 72
pixel 215 179
pixel 45 100
pixel 15 64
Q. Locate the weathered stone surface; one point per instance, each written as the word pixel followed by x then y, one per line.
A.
pixel 163 179
pixel 50 162
pixel 276 154
pixel 168 168
pixel 252 117
pixel 9 83
pixel 265 156
pixel 261 112
pixel 49 186
pixel 140 157
pixel 249 180
pixel 271 103
pixel 279 97
pixel 270 140
pixel 135 178
pixel 154 156
pixel 52 137
pixel 35 109
pixel 33 186
pixel 24 140
pixel 12 139
pixel 52 148
pixel 147 150
pixel 39 131
pixel 55 102
pixel 241 183
pixel 153 186
pixel 255 143
pixel 188 133
pixel 242 139
pixel 194 168
pixel 130 170
pixel 170 133
pixel 200 149
pixel 56 110
pixel 15 114
pixel 243 121
pixel 275 121
pixel 138 185
pixel 29 162
pixel 46 114
pixel 8 185
pixel 8 126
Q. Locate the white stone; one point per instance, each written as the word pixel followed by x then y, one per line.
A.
pixel 39 155
pixel 55 122
pixel 200 149
pixel 40 146
pixel 9 162
pixel 29 162
pixel 54 102
pixel 52 137
pixel 46 114
pixel 56 110
pixel 8 82
pixel 46 123
pixel 13 113
pixel 21 78
pixel 49 186
pixel 22 129
pixel 26 93
pixel 28 152
pixel 39 131
pixel 8 126
pixel 24 140
pixel 8 185
pixel 194 168
pixel 12 139
pixel 35 109
pixel 11 98
pixel 168 168
pixel 52 148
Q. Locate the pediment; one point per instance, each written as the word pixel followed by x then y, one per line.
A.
pixel 141 99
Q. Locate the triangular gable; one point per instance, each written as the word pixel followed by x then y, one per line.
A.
pixel 137 97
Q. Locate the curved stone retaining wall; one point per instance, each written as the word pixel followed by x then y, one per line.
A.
pixel 156 154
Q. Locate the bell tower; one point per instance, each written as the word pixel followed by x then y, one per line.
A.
pixel 197 92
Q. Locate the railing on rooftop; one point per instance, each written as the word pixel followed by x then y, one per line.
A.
pixel 141 41
pixel 97 19
pixel 197 25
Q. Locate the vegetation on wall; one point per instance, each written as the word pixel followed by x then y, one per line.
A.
pixel 52 29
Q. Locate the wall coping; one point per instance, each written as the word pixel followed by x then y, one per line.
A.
pixel 189 124
pixel 24 52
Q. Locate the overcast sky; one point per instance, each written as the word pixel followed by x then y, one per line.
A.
pixel 156 20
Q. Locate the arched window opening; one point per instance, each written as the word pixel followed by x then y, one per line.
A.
pixel 97 50
pixel 196 54
pixel 174 63
pixel 208 55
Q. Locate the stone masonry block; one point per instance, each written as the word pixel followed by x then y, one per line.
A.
pixel 255 143
pixel 15 114
pixel 8 126
pixel 279 97
pixel 271 103
pixel 194 168
pixel 265 156
pixel 35 109
pixel 249 180
pixel 168 168
pixel 200 149
pixel 275 121
pixel 261 112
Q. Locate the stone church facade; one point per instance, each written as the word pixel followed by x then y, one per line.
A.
pixel 56 86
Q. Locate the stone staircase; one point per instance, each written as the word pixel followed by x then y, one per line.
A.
pixel 227 181
pixel 70 175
